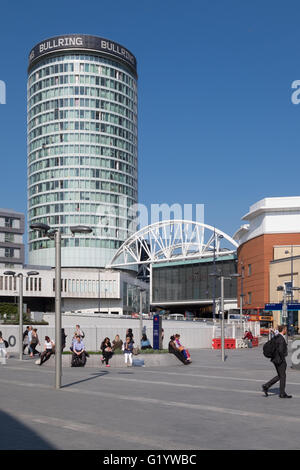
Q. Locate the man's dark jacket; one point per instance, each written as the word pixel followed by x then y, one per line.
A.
pixel 281 350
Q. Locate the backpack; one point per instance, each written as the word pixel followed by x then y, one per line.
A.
pixel 6 343
pixel 269 348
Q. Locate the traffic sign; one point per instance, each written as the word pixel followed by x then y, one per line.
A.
pixel 273 306
pixel 293 306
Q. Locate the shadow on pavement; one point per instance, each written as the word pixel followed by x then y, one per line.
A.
pixel 14 435
pixel 86 380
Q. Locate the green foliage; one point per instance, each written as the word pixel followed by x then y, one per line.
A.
pixel 9 314
pixel 8 309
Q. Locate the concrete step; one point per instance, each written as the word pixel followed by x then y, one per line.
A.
pixel 150 360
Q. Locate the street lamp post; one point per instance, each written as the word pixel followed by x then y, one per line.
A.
pixel 222 319
pixel 222 278
pixel 296 289
pixel 292 275
pixel 219 237
pixel 284 308
pixel 20 302
pixel 242 294
pixel 56 235
pixel 58 342
pixel 141 313
pixel 285 318
pixel 106 302
pixel 21 316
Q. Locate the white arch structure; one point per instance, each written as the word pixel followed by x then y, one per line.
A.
pixel 173 239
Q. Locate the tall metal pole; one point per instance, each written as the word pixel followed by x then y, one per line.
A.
pixel 141 315
pixel 222 319
pixel 284 312
pixel 292 296
pixel 99 291
pixel 58 345
pixel 20 276
pixel 292 274
pixel 241 296
pixel 214 285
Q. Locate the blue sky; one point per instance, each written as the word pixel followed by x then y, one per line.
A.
pixel 216 122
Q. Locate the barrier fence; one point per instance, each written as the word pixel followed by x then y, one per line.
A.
pixel 192 335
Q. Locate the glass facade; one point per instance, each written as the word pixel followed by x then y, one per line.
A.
pixel 131 299
pixel 191 282
pixel 82 155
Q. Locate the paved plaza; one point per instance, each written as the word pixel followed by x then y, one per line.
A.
pixel 206 405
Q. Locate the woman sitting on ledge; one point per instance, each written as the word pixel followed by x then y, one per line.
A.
pixel 48 351
pixel 181 348
pixel 117 343
pixel 174 350
pixel 145 343
pixel 107 351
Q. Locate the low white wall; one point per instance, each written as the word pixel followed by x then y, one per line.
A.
pixel 192 334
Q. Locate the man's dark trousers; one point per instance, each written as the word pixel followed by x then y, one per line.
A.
pixel 279 362
pixel 281 376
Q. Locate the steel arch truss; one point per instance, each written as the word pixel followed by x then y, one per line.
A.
pixel 173 239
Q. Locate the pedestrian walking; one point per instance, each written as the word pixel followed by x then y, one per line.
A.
pixel 25 340
pixel 29 336
pixel 63 339
pixel 279 354
pixel 3 346
pixel 107 351
pixel 34 343
pixel 128 349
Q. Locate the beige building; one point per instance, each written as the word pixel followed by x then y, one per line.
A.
pixel 284 268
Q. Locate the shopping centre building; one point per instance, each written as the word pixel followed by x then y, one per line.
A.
pixel 181 257
pixel 268 253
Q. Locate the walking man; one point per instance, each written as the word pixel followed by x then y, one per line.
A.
pixel 25 339
pixel 278 359
pixel 29 337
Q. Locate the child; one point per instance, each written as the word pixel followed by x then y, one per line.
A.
pixel 128 348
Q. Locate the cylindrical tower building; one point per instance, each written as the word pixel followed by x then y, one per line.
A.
pixel 82 147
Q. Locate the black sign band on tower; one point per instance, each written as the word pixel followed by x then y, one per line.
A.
pixel 82 42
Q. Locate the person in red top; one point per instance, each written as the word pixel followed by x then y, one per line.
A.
pixel 248 337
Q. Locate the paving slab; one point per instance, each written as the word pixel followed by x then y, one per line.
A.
pixel 206 405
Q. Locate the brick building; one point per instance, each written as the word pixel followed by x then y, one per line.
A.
pixel 272 222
